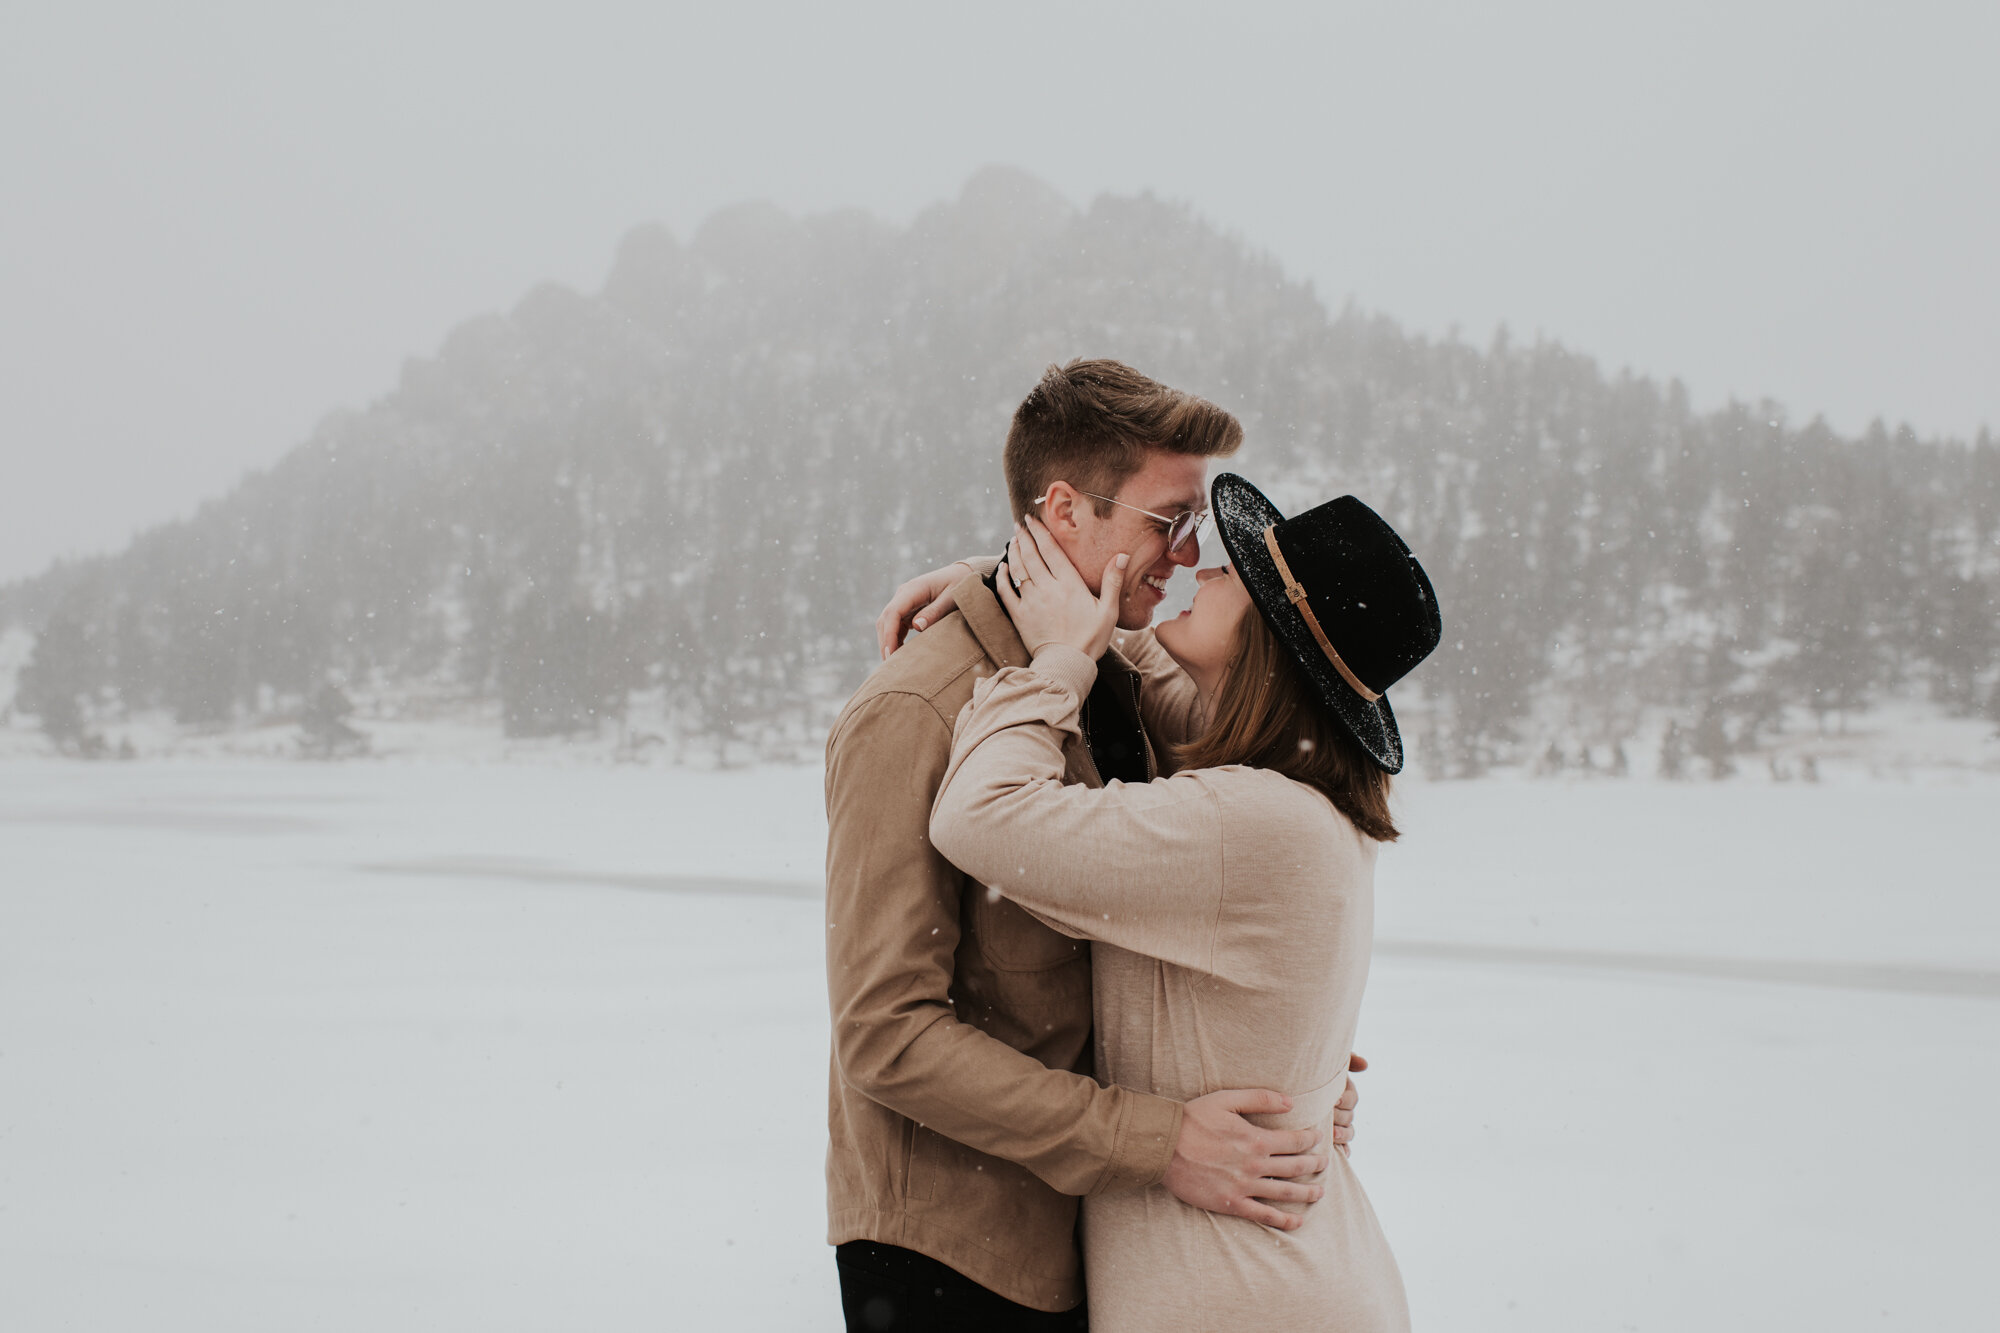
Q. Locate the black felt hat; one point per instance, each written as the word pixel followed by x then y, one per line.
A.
pixel 1344 595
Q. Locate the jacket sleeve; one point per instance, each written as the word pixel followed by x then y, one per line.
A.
pixel 1138 865
pixel 1168 700
pixel 892 907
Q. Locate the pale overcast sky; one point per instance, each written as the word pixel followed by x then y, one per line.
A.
pixel 221 223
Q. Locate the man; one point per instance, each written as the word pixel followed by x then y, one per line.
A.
pixel 962 1130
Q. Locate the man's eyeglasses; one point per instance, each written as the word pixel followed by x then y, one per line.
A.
pixel 1188 523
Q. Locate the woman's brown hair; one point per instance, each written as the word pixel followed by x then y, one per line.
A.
pixel 1266 715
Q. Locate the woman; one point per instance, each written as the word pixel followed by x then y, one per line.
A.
pixel 1231 903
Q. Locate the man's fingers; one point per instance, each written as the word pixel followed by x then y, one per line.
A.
pixel 1286 1191
pixel 1298 1164
pixel 1348 1098
pixel 1265 1215
pixel 1250 1101
pixel 1290 1142
pixel 1356 1062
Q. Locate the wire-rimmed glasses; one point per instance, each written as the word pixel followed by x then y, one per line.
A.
pixel 1188 523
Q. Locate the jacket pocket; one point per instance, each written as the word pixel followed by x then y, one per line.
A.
pixel 1013 941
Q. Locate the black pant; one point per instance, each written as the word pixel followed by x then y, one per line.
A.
pixel 888 1289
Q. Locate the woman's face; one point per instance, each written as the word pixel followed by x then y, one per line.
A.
pixel 1204 637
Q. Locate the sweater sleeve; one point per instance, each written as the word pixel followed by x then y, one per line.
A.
pixel 1138 865
pixel 893 927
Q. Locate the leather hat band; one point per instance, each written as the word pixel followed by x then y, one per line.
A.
pixel 1297 595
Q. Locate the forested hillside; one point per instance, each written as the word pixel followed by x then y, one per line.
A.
pixel 697 485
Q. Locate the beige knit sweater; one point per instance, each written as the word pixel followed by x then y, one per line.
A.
pixel 1232 911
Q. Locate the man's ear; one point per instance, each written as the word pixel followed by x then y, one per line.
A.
pixel 1059 509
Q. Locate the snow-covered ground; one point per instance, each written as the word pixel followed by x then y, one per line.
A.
pixel 439 1046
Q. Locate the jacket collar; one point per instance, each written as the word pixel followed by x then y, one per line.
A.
pixel 991 625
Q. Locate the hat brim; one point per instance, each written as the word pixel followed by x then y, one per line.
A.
pixel 1241 515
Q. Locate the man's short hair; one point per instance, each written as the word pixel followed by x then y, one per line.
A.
pixel 1089 423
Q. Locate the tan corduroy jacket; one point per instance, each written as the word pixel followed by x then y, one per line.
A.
pixel 961 1121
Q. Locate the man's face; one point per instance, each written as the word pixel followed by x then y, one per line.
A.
pixel 1167 484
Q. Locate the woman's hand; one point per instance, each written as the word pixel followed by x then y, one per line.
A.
pixel 918 604
pixel 1053 604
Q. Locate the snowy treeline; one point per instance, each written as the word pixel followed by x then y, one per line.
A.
pixel 702 481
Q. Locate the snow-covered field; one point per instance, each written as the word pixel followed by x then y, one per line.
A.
pixel 442 1046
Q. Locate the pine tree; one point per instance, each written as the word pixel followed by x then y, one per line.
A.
pixel 52 679
pixel 1673 751
pixel 1711 743
pixel 324 731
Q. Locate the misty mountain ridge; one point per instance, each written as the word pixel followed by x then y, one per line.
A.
pixel 671 508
